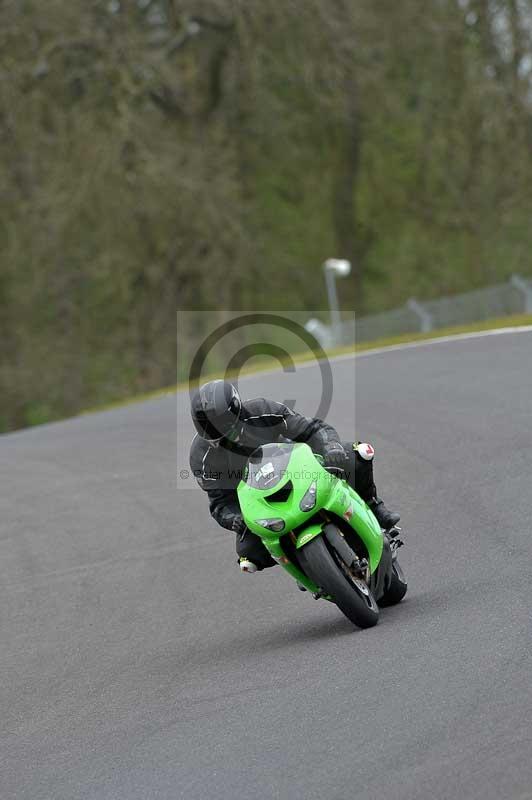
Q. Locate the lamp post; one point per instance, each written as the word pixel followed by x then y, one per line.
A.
pixel 333 268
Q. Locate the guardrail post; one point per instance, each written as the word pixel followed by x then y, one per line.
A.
pixel 425 319
pixel 525 287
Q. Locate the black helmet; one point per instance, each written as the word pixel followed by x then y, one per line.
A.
pixel 215 410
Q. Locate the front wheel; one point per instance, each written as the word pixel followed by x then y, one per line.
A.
pixel 327 570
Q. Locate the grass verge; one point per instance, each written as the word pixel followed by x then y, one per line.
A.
pixel 516 321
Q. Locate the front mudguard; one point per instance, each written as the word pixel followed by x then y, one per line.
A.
pixel 309 533
pixel 275 549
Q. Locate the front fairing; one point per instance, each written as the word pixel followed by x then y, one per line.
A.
pixel 301 468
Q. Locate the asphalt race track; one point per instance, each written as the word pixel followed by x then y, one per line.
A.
pixel 138 663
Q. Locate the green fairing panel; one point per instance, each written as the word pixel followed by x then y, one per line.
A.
pixel 302 469
pixel 363 521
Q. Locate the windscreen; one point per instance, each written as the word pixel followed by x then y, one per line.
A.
pixel 267 465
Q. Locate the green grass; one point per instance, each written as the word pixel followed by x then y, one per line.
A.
pixel 519 320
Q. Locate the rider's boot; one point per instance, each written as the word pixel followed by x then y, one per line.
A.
pixel 387 519
pixel 246 565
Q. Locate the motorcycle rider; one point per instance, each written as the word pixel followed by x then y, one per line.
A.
pixel 229 430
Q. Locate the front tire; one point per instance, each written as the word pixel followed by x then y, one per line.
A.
pixel 327 570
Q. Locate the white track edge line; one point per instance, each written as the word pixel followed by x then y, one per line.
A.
pixel 456 337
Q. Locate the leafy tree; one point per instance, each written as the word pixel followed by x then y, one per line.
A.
pixel 205 154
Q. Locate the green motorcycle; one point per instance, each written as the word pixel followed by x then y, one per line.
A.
pixel 321 532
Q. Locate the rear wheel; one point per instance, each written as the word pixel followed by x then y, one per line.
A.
pixel 351 594
pixel 397 588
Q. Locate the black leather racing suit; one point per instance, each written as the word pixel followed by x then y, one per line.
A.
pixel 219 469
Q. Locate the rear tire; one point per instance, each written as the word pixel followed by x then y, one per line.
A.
pixel 326 570
pixel 397 588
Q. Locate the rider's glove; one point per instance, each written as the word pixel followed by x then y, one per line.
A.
pixel 239 526
pixel 335 456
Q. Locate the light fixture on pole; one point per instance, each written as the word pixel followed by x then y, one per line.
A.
pixel 332 268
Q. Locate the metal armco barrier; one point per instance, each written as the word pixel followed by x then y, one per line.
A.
pixel 501 300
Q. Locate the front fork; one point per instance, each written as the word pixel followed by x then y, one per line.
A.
pixel 377 580
pixel 277 552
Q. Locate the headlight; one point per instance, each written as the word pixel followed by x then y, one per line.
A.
pixel 271 524
pixel 309 498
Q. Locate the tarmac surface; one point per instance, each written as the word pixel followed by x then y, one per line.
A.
pixel 138 663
